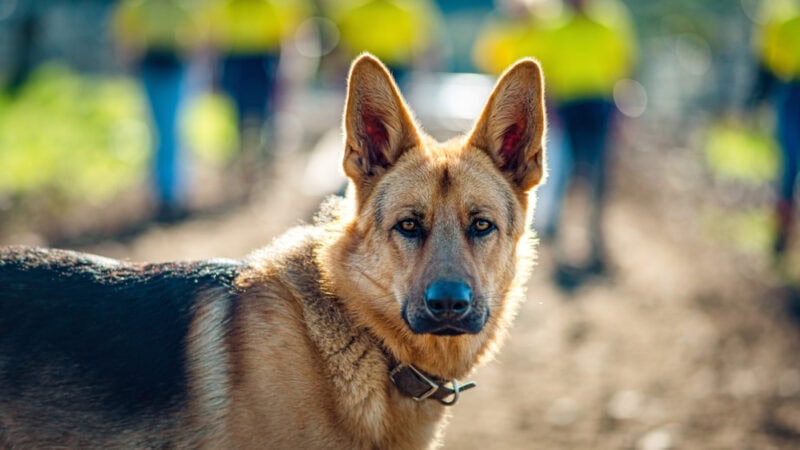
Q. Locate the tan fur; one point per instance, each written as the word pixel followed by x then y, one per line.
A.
pixel 297 353
pixel 319 323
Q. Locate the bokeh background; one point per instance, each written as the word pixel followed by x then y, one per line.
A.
pixel 687 337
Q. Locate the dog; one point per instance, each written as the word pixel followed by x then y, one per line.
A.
pixel 350 333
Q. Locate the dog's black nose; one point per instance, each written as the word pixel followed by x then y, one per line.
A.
pixel 448 300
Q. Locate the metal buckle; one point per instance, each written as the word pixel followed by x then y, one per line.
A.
pixel 456 391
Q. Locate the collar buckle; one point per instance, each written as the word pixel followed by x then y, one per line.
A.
pixel 401 374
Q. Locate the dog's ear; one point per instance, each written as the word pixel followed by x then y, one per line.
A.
pixel 378 125
pixel 511 127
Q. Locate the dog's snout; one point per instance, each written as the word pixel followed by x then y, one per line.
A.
pixel 448 300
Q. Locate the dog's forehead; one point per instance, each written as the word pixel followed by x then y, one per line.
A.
pixel 445 175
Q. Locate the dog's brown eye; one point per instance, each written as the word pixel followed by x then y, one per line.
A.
pixel 481 227
pixel 408 226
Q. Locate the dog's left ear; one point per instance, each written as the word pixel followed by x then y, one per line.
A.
pixel 511 127
pixel 378 125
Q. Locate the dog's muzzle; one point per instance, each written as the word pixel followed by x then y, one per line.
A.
pixel 448 309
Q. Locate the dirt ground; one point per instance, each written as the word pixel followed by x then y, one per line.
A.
pixel 686 346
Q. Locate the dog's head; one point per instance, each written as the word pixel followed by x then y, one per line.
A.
pixel 432 253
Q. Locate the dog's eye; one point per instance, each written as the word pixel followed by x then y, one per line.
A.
pixel 481 227
pixel 409 228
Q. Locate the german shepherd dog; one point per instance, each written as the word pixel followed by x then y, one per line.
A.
pixel 347 334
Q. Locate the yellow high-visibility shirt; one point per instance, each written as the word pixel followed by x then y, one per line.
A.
pixel 392 30
pixel 168 25
pixel 253 26
pixel 770 15
pixel 501 42
pixel 781 47
pixel 586 54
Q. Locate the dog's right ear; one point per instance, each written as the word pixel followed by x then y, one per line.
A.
pixel 511 128
pixel 378 125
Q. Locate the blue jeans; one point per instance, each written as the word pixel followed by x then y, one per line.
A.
pixel 163 77
pixel 787 103
pixel 249 80
pixel 550 195
pixel 586 124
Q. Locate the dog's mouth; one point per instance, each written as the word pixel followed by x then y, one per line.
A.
pixel 448 331
pixel 420 322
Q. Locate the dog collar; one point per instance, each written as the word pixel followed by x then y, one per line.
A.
pixel 418 385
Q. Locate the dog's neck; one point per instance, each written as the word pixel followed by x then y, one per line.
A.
pixel 357 366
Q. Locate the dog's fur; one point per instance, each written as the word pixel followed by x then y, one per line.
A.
pixel 292 347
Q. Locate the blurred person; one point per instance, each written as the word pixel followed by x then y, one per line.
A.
pixel 770 17
pixel 158 35
pixel 518 29
pixel 248 35
pixel 779 51
pixel 587 49
pixel 396 31
pixel 512 31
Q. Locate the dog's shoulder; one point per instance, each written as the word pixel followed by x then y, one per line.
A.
pixel 290 261
pixel 293 274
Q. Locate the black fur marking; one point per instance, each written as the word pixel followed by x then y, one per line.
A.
pixel 359 358
pixel 120 326
pixel 347 346
pixel 445 181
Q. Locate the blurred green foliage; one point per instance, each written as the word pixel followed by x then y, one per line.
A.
pixel 737 151
pixel 86 138
pixel 83 137
pixel 209 128
pixel 750 229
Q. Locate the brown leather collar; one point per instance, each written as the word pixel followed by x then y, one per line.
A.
pixel 418 385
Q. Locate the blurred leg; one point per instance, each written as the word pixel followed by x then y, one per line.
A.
pixel 571 116
pixel 788 108
pixel 250 81
pixel 587 123
pixel 162 76
pixel 763 87
pixel 551 195
pixel 602 113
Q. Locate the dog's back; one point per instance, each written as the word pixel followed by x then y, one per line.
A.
pixel 86 342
